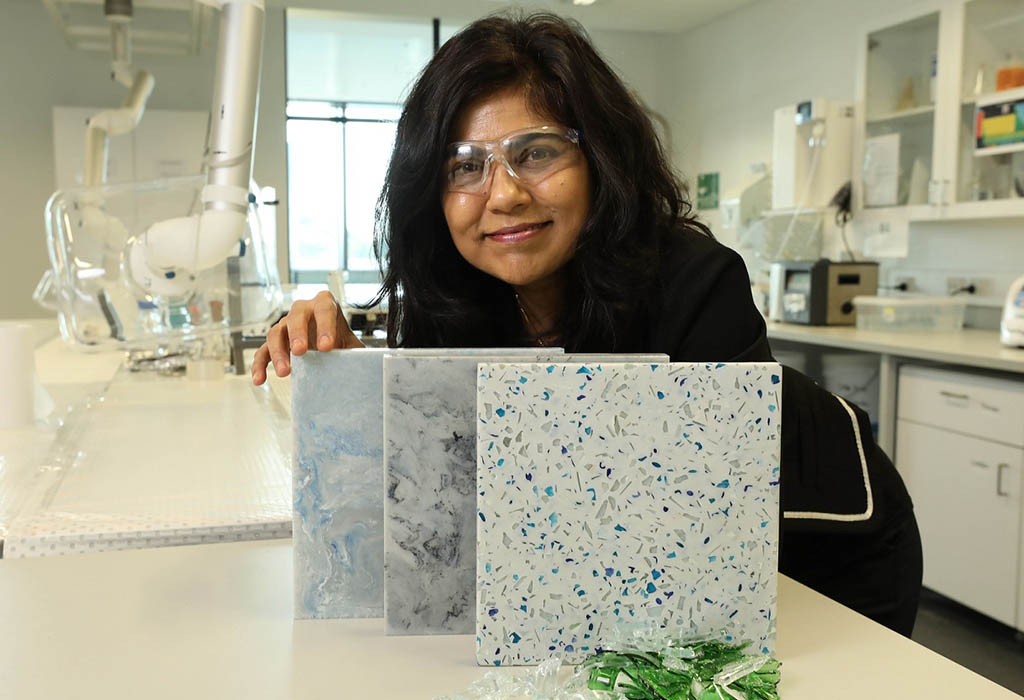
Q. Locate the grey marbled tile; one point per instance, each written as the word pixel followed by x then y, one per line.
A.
pixel 617 495
pixel 338 482
pixel 430 471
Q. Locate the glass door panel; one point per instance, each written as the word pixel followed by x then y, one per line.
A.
pixel 991 135
pixel 900 113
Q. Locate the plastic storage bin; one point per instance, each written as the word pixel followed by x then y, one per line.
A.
pixel 912 314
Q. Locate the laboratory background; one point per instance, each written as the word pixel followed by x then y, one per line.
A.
pixel 166 526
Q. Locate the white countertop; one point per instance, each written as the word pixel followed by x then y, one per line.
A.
pixel 970 347
pixel 215 621
pixel 136 460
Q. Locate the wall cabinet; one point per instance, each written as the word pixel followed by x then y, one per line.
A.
pixel 960 450
pixel 922 75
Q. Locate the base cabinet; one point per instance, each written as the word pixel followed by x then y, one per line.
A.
pixel 960 450
pixel 966 494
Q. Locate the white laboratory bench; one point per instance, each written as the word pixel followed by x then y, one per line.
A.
pixel 215 621
pixel 141 460
pixel 969 348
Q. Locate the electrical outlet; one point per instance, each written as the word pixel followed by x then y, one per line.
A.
pixel 960 285
pixel 898 280
pixel 957 285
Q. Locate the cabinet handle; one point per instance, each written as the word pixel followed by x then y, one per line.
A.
pixel 999 479
pixel 954 395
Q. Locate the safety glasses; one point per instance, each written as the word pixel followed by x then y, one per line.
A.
pixel 529 155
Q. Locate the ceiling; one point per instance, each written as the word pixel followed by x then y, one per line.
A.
pixel 178 26
pixel 669 16
pixel 173 27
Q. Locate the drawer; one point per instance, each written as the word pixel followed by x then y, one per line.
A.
pixel 973 404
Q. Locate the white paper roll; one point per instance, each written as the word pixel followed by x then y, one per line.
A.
pixel 17 375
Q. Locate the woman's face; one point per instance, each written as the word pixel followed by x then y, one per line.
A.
pixel 521 234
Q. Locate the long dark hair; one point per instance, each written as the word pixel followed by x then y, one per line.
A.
pixel 435 297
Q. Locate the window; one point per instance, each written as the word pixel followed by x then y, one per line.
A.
pixel 347 77
pixel 338 155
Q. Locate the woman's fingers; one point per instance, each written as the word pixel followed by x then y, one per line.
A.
pixel 259 365
pixel 278 346
pixel 297 325
pixel 318 324
pixel 327 317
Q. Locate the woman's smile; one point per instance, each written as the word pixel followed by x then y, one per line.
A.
pixel 517 233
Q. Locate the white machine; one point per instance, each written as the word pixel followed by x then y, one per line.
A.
pixel 170 251
pixel 148 264
pixel 811 153
pixel 1011 329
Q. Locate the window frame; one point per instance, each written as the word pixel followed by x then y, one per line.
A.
pixel 342 118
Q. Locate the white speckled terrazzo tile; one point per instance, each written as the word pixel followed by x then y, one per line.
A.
pixel 614 495
pixel 338 482
pixel 430 505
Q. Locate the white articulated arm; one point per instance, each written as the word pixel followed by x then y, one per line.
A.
pixel 200 242
pixel 113 122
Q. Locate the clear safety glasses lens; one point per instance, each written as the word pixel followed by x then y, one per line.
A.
pixel 530 156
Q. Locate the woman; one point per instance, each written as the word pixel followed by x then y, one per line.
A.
pixel 529 202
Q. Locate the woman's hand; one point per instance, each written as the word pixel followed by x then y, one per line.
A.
pixel 318 324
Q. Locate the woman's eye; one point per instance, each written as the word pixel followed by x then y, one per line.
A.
pixel 465 168
pixel 538 154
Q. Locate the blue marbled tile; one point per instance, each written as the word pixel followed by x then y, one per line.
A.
pixel 430 471
pixel 338 481
pixel 621 495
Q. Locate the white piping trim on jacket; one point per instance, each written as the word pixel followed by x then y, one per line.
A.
pixel 844 517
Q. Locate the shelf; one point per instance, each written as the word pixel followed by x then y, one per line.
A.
pixel 995 98
pixel 999 150
pixel 906 212
pixel 795 211
pixel 903 114
pixel 987 209
pixel 991 98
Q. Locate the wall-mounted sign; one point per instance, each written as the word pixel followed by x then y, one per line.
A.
pixel 707 191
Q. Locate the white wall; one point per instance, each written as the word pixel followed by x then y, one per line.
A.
pixel 720 83
pixel 634 56
pixel 40 72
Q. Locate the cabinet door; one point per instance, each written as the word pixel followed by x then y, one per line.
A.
pixel 987 160
pixel 895 140
pixel 967 500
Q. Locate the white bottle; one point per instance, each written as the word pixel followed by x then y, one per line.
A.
pixel 1011 330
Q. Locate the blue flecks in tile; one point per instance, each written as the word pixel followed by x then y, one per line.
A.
pixel 623 517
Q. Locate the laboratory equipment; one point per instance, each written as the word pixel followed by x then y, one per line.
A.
pixel 910 313
pixel 820 293
pixel 811 153
pixel 149 264
pixel 1011 328
pixel 114 122
pixel 811 162
pixel 108 299
pixel 742 207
